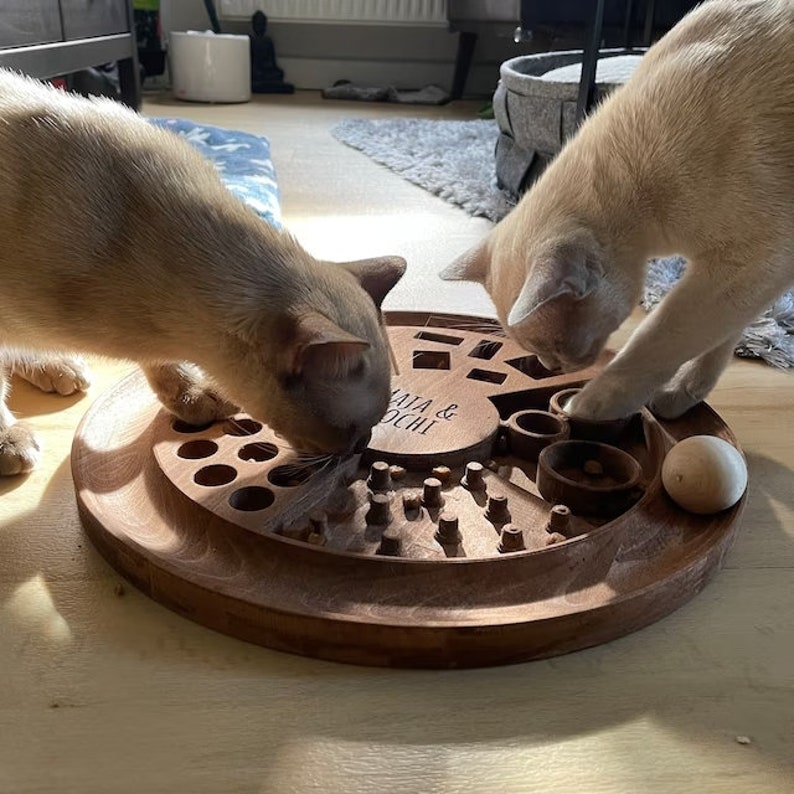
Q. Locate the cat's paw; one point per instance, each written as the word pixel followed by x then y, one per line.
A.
pixel 673 401
pixel 200 405
pixel 602 400
pixel 185 391
pixel 65 375
pixel 19 450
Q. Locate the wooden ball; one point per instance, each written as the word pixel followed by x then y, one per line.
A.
pixel 704 474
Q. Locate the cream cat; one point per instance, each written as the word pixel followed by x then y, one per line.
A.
pixel 118 239
pixel 693 156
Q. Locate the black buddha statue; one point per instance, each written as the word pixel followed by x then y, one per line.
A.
pixel 266 77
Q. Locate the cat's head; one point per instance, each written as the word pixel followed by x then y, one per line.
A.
pixel 559 297
pixel 320 375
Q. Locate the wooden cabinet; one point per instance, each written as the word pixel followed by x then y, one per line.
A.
pixel 46 38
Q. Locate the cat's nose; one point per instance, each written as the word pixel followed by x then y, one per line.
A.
pixel 362 443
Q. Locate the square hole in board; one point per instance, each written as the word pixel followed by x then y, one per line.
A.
pixel 487 375
pixel 486 349
pixel 430 359
pixel 444 339
pixel 530 365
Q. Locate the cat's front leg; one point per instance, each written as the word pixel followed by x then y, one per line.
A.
pixel 19 449
pixel 693 381
pixel 640 371
pixel 700 315
pixel 185 391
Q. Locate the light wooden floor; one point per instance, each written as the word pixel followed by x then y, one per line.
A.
pixel 102 690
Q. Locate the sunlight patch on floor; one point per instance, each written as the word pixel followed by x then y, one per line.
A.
pixel 357 236
pixel 31 605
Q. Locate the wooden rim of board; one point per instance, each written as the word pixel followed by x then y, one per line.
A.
pixel 199 545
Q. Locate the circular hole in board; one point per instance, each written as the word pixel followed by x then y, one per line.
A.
pixel 258 451
pixel 252 497
pixel 183 427
pixel 290 475
pixel 197 449
pixel 241 427
pixel 217 474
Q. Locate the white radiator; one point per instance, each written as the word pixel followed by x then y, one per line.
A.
pixel 355 12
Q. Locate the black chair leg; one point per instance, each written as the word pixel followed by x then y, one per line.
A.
pixel 587 83
pixel 650 12
pixel 466 43
pixel 130 83
pixel 627 24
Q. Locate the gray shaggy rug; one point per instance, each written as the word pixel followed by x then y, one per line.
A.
pixel 455 161
pixel 452 159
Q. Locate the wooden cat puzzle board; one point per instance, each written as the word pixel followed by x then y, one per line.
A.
pixel 447 544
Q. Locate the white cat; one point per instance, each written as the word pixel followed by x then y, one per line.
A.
pixel 118 239
pixel 693 156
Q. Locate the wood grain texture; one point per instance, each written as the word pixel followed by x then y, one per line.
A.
pixel 172 522
pixel 106 692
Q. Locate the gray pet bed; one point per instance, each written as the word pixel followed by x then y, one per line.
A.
pixel 535 108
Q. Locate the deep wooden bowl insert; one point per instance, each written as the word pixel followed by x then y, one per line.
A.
pixel 587 476
pixel 323 582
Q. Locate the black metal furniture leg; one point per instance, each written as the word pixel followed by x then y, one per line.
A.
pixel 129 70
pixel 627 24
pixel 650 12
pixel 586 96
pixel 130 83
pixel 466 43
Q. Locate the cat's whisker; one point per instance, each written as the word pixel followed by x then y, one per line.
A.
pixel 234 423
pixel 392 356
pixel 308 463
pixel 295 468
pixel 312 458
pixel 323 466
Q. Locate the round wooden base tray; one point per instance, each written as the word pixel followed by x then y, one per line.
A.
pixel 396 558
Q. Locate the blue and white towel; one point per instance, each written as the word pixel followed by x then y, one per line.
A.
pixel 242 160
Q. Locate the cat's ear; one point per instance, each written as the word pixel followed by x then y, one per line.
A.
pixel 377 276
pixel 471 266
pixel 322 347
pixel 570 272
